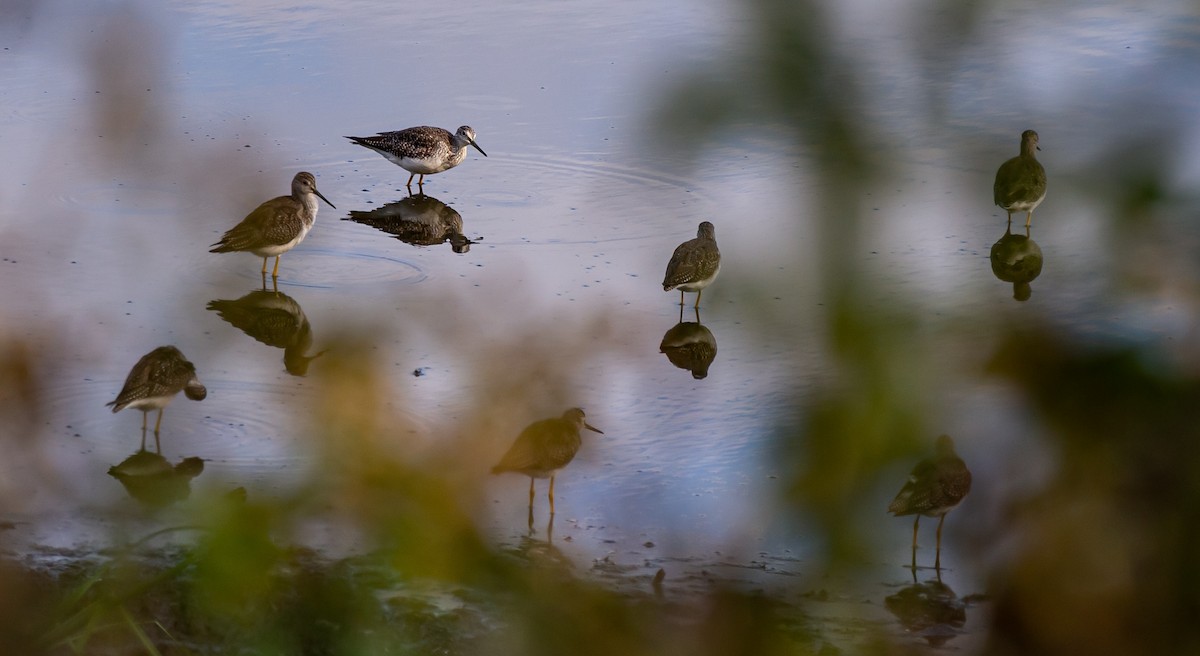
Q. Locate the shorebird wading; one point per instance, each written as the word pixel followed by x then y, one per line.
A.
pixel 422 150
pixel 935 486
pixel 1021 181
pixel 276 226
pixel 545 447
pixel 695 264
pixel 153 383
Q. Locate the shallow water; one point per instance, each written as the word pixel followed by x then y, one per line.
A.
pixel 572 216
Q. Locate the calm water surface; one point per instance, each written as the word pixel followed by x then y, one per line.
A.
pixel 572 216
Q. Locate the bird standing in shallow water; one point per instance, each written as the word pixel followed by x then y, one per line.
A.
pixel 153 383
pixel 276 226
pixel 1021 181
pixel 695 264
pixel 935 486
pixel 422 150
pixel 545 447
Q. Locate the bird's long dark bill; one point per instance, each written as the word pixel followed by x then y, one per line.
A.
pixel 592 428
pixel 478 148
pixel 324 199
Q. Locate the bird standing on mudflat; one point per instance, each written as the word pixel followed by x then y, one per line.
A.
pixel 422 150
pixel 695 264
pixel 154 381
pixel 935 486
pixel 545 447
pixel 1021 181
pixel 276 226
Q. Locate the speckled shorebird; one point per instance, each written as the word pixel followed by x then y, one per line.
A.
pixel 153 383
pixel 935 486
pixel 278 225
pixel 422 150
pixel 545 447
pixel 695 264
pixel 1021 181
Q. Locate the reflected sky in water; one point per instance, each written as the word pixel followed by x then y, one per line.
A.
pixel 578 206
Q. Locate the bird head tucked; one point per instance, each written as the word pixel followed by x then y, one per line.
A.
pixel 195 391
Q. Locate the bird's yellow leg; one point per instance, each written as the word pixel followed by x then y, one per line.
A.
pixel 143 431
pixel 410 177
pixel 915 524
pixel 698 294
pixel 157 425
pixel 937 559
pixel 275 272
pixel 681 298
pixel 551 495
pixel 530 494
pixel 264 270
pixel 1029 218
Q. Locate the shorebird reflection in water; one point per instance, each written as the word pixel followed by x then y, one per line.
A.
pixel 275 319
pixel 695 264
pixel 153 481
pixel 542 552
pixel 419 220
pixel 153 383
pixel 1017 259
pixel 545 447
pixel 422 150
pixel 935 486
pixel 930 610
pixel 690 345
pixel 276 226
pixel 1021 181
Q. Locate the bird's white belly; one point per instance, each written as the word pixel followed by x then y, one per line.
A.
pixel 151 403
pixel 273 250
pixel 427 165
pixel 1025 205
pixel 699 284
pixel 939 512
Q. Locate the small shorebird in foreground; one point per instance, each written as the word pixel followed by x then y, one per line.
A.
pixel 153 383
pixel 545 447
pixel 935 486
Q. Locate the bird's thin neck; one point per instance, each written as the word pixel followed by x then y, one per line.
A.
pixel 309 201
